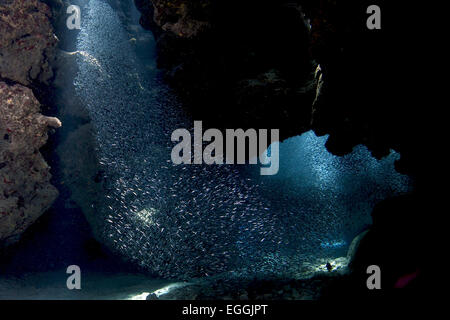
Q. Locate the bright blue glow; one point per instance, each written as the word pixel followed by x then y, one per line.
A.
pixel 333 244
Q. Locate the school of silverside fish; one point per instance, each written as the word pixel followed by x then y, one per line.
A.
pixel 197 220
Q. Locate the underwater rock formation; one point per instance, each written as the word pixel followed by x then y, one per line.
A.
pixel 235 63
pixel 369 75
pixel 256 61
pixel 226 288
pixel 25 189
pixel 398 255
pixel 183 18
pixel 27 41
pixel 27 44
pixel 372 92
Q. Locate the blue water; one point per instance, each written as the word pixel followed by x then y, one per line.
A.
pixel 197 220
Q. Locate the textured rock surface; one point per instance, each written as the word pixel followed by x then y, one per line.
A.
pixel 246 41
pixel 27 41
pixel 235 288
pixel 25 189
pixel 27 44
pixel 181 18
pixel 236 63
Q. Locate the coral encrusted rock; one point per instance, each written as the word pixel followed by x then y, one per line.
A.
pixel 25 189
pixel 27 41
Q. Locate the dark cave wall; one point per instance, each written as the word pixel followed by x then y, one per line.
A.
pixel 256 59
pixel 247 65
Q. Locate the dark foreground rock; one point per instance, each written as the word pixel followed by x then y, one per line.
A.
pixel 27 41
pixel 25 189
pixel 27 47
pixel 232 287
pixel 252 63
pixel 236 63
